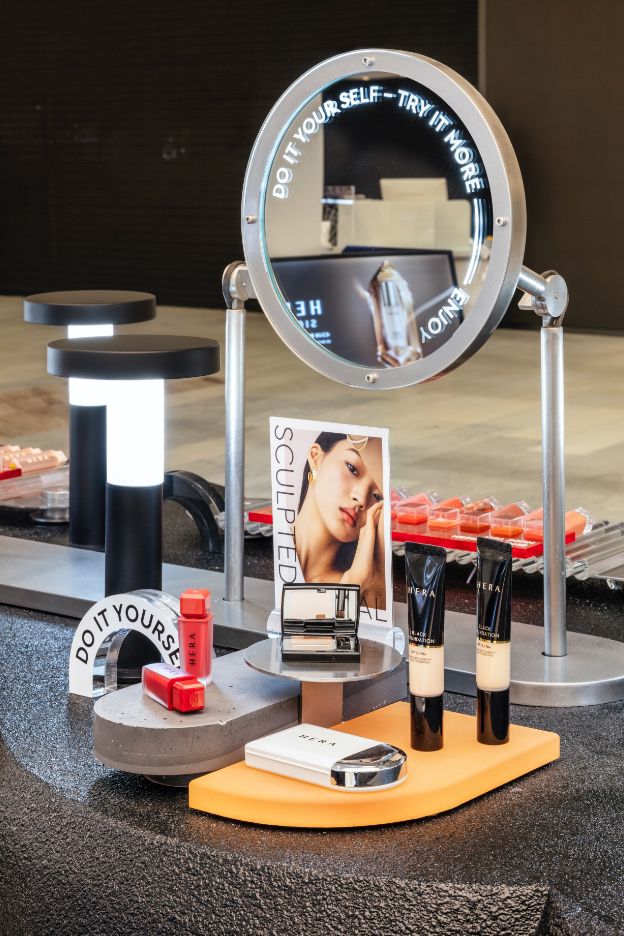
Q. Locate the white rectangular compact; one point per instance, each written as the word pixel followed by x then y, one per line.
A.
pixel 328 758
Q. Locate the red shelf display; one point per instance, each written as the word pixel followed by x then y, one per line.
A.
pixel 403 533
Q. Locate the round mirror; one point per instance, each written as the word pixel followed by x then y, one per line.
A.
pixel 383 219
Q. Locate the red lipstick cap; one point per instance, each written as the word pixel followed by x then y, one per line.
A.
pixel 188 695
pixel 195 602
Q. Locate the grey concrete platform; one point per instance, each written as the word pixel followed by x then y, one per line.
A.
pixel 137 735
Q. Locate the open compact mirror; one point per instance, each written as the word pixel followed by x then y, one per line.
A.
pixel 383 219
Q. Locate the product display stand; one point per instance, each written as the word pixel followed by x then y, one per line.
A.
pixel 547 296
pixel 591 672
pixel 322 684
pixel 137 735
pixel 88 313
pixel 436 781
pixel 554 668
pixel 560 673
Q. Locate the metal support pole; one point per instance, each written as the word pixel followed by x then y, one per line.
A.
pixel 234 453
pixel 555 643
pixel 593 670
pixel 236 289
pixel 547 296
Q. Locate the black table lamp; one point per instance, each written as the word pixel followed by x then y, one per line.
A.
pixel 135 368
pixel 88 314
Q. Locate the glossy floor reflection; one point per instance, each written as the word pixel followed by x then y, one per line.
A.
pixel 475 431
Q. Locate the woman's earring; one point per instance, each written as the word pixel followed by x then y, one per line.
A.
pixel 312 475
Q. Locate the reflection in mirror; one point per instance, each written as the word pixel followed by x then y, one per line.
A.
pixel 378 220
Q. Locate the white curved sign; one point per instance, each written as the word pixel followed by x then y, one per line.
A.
pixel 119 612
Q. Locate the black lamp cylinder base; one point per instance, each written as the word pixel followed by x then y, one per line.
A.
pixel 87 475
pixel 133 538
pixel 133 560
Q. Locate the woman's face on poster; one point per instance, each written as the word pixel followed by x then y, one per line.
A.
pixel 349 481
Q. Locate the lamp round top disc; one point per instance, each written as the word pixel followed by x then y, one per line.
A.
pixel 90 307
pixel 134 357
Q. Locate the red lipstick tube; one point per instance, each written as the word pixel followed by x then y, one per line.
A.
pixel 195 634
pixel 173 688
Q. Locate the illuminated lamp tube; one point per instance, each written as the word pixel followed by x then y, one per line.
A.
pixel 87 450
pixel 134 488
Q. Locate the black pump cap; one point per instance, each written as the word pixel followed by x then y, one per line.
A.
pixel 493 716
pixel 426 722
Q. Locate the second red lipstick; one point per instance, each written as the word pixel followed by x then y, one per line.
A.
pixel 195 634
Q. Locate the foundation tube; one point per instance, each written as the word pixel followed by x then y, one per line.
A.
pixel 493 640
pixel 425 569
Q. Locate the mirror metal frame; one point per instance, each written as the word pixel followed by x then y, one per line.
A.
pixel 508 205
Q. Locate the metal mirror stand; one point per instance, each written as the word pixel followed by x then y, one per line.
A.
pixel 237 290
pixel 547 296
pixel 593 672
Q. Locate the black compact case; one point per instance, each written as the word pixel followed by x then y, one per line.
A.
pixel 320 623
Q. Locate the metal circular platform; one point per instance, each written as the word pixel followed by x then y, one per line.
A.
pixel 376 659
pixel 322 684
pixel 591 673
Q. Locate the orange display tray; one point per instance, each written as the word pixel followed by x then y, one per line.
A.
pixel 436 782
pixel 406 533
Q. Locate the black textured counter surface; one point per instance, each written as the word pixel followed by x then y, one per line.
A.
pixel 87 850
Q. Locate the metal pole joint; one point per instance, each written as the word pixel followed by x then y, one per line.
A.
pixel 237 288
pixel 546 294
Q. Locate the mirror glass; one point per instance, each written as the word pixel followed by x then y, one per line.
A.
pixel 377 220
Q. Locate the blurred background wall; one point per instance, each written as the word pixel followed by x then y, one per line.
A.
pixel 125 128
pixel 126 125
pixel 554 72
